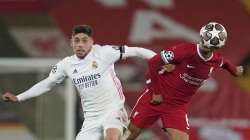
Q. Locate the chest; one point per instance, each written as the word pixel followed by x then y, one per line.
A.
pixel 197 67
pixel 91 69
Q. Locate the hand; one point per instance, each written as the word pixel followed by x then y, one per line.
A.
pixel 239 70
pixel 156 99
pixel 167 68
pixel 9 97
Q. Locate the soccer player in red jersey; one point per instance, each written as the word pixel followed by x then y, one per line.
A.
pixel 170 88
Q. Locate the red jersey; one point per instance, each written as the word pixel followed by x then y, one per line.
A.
pixel 191 70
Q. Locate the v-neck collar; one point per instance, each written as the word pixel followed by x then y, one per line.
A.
pixel 203 58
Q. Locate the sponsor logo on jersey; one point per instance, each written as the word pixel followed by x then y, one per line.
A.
pixel 94 65
pixel 87 81
pixel 191 80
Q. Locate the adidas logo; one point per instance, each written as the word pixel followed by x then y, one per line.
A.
pixel 75 71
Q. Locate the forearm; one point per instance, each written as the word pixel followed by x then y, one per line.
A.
pixel 154 66
pixel 37 90
pixel 229 67
pixel 139 52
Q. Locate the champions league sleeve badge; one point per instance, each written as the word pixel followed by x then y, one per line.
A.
pixel 54 69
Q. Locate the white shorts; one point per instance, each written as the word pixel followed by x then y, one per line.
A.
pixel 95 128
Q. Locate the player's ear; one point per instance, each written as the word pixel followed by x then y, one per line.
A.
pixel 71 41
pixel 91 40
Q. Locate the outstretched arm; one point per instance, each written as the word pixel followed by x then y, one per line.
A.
pixel 139 52
pixel 38 89
pixel 112 54
pixel 56 76
pixel 234 70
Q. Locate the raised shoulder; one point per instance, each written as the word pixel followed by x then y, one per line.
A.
pixel 66 60
pixel 186 47
pixel 218 59
pixel 108 53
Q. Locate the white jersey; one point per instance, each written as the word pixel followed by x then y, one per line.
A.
pixel 94 77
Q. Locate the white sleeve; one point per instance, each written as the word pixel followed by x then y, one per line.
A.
pixel 138 52
pixel 56 76
pixel 111 54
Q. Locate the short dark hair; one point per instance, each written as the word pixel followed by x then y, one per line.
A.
pixel 86 29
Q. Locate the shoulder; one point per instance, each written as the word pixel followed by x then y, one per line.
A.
pixel 184 47
pixel 105 49
pixel 100 48
pixel 218 58
pixel 67 60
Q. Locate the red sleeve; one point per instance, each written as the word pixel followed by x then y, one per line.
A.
pixel 172 55
pixel 229 66
pixel 175 54
pixel 154 65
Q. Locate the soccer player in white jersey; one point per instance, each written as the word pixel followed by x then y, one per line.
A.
pixel 91 70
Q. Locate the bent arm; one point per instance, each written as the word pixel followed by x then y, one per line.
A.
pixel 154 66
pixel 230 67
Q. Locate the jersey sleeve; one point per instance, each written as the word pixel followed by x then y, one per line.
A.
pixel 112 54
pixel 138 52
pixel 154 66
pixel 172 55
pixel 56 76
pixel 57 73
pixel 228 65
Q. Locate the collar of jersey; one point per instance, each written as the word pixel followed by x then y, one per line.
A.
pixel 85 58
pixel 203 58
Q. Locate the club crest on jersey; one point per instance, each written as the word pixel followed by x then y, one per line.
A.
pixel 94 65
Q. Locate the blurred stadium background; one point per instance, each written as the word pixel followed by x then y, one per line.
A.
pixel 34 35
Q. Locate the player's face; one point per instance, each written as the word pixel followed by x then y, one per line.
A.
pixel 207 49
pixel 81 44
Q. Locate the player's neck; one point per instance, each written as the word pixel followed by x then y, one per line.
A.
pixel 81 57
pixel 205 53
